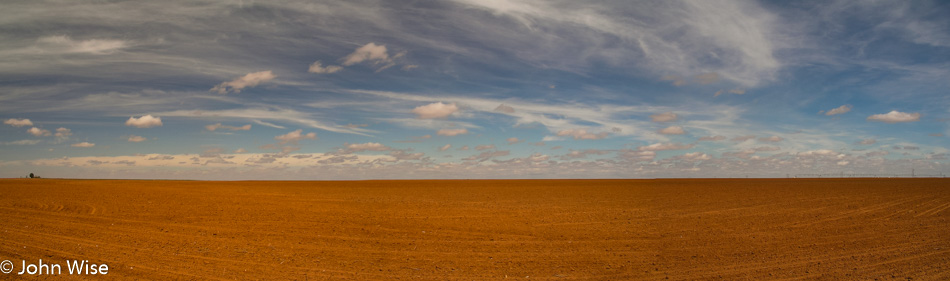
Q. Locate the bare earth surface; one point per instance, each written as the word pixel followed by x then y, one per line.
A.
pixel 745 229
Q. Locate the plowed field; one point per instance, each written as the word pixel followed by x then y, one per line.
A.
pixel 746 229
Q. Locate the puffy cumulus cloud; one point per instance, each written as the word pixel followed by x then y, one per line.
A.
pixel 485 147
pixel 240 150
pixel 445 147
pixel 83 144
pixel 65 45
pixel 637 155
pixel 693 156
pixel 134 138
pixel 843 163
pixel 820 152
pixel 576 154
pixel 435 110
pixel 369 146
pixel 463 148
pixel 866 142
pixel 295 137
pixel 146 121
pixel 839 110
pixel 712 138
pixel 514 140
pixel 371 52
pixel 216 126
pixel 452 132
pixel 581 134
pixel 484 156
pixel 248 80
pixel 402 155
pixel 18 122
pixel 317 67
pixel 668 116
pixel 665 146
pixel 743 154
pixel 895 117
pixel 672 130
pixel 505 109
pixel 38 132
pixel 772 139
pixel 63 134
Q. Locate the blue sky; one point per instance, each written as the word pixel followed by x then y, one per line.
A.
pixel 472 89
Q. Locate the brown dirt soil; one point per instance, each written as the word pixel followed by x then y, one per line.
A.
pixel 730 229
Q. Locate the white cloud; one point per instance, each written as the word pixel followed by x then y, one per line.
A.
pixel 664 117
pixel 216 126
pixel 435 110
pixel 735 40
pixel 819 152
pixel 23 142
pixel 271 113
pixel 370 146
pixel 295 136
pixel 895 117
pixel 134 138
pixel 249 80
pixel 62 134
pixel 484 156
pixel 268 124
pixel 772 139
pixel 240 150
pixel 317 67
pixel 18 122
pixel 402 155
pixel 581 134
pixel 867 142
pixel 452 132
pixel 693 156
pixel 484 147
pixel 733 91
pixel 38 132
pixel 712 138
pixel 63 44
pixel 665 146
pixel 743 138
pixel 839 110
pixel 369 52
pixel 576 154
pixel 672 130
pixel 146 121
pixel 445 147
pixel 514 140
pixel 83 144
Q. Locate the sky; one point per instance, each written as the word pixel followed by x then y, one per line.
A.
pixel 469 89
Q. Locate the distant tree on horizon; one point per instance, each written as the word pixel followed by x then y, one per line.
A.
pixel 31 175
